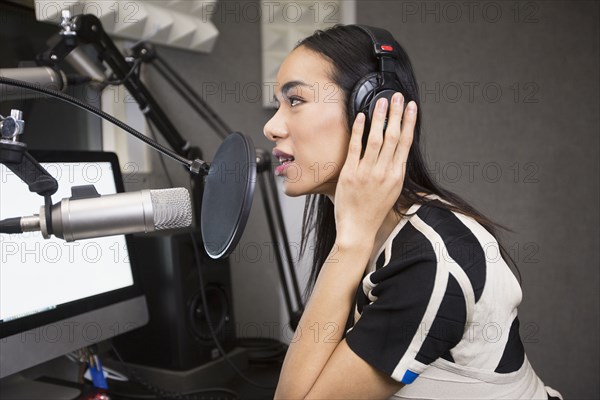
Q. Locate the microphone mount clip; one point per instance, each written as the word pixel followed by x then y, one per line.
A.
pixel 15 156
pixel 67 24
pixel 12 127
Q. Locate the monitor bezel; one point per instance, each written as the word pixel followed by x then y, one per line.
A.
pixel 77 307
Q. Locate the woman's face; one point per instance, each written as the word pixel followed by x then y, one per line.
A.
pixel 309 125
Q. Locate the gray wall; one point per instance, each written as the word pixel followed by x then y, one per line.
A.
pixel 511 123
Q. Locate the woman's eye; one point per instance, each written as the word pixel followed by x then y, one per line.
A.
pixel 294 101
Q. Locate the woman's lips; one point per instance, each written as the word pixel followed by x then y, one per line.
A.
pixel 284 158
pixel 279 170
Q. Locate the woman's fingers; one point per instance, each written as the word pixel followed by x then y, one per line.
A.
pixel 409 121
pixel 392 131
pixel 376 133
pixel 391 150
pixel 355 147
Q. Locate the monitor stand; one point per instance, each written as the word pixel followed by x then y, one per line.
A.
pixel 17 387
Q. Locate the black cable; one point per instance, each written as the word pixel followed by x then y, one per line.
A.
pixel 195 95
pixel 136 65
pixel 166 394
pixel 100 113
pixel 190 101
pixel 209 322
pixel 218 120
pixel 155 138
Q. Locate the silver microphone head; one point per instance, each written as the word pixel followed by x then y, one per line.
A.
pixel 172 208
pixel 119 214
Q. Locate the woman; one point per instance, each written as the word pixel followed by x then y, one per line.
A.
pixel 404 300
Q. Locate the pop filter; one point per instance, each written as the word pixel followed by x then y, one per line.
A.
pixel 228 193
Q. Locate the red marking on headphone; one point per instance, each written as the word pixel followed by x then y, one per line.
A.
pixel 387 47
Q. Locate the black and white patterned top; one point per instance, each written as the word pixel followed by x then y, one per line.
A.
pixel 437 311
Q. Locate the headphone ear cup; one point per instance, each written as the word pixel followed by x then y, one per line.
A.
pixel 361 99
pixel 385 93
pixel 362 94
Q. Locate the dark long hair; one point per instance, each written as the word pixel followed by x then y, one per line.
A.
pixel 349 50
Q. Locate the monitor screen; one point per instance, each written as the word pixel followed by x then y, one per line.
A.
pixel 56 296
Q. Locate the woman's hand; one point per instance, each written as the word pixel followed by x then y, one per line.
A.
pixel 368 188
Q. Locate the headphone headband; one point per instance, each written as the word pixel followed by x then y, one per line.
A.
pixel 383 47
pixel 383 41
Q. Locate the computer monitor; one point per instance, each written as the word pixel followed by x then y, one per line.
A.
pixel 56 297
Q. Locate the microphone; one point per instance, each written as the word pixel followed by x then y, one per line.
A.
pixel 46 77
pixel 51 78
pixel 89 215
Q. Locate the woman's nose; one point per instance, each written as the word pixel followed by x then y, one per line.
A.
pixel 275 129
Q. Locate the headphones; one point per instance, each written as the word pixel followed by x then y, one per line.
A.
pixel 377 85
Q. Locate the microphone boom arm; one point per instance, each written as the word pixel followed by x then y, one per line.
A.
pixel 87 29
pixel 196 166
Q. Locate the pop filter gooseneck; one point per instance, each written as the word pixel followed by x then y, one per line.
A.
pixel 229 182
pixel 228 193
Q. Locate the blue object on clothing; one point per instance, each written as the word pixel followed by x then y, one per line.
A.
pixel 409 377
